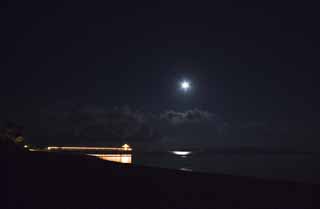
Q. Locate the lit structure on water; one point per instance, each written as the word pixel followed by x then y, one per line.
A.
pixel 116 154
pixel 124 147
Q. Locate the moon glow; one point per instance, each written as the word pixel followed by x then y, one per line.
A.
pixel 185 85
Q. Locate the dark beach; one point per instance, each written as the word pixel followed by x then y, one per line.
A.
pixel 60 180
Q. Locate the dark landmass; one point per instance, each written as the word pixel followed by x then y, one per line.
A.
pixel 65 180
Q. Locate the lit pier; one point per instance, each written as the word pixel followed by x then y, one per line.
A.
pixel 116 154
pixel 125 147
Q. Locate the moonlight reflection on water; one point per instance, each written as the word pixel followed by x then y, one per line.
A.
pixel 181 153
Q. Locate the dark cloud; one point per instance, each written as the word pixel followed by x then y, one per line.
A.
pixel 91 124
pixel 71 124
pixel 194 115
pixel 192 128
pixel 68 124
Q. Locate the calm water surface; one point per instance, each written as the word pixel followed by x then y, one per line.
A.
pixel 298 167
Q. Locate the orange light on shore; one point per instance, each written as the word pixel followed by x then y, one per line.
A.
pixel 124 157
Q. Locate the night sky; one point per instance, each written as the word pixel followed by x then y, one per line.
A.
pixel 253 66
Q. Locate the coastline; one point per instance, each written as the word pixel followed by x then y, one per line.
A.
pixel 60 180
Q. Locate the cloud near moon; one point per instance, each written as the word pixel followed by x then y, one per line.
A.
pixel 70 125
pixel 97 124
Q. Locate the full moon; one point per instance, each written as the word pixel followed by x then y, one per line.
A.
pixel 185 85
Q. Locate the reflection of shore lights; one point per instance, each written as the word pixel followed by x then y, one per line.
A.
pixel 120 158
pixel 181 153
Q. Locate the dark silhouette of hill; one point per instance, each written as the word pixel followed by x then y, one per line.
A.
pixel 60 180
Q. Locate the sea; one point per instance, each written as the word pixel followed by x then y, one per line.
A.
pixel 299 167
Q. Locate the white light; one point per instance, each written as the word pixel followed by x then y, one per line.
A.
pixel 186 169
pixel 185 85
pixel 181 153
